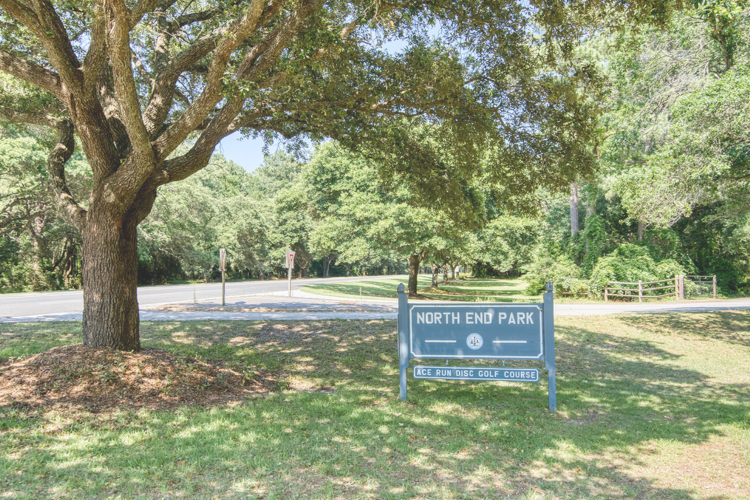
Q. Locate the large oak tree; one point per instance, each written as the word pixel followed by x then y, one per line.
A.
pixel 131 80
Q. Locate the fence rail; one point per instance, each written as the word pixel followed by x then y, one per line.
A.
pixel 695 287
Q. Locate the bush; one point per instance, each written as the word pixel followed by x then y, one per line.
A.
pixel 631 263
pixel 562 272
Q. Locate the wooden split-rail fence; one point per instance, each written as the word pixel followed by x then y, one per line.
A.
pixel 626 290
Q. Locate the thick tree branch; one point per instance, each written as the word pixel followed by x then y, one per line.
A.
pixel 96 57
pixel 118 43
pixel 211 94
pixel 30 72
pixel 54 38
pixel 60 154
pixel 29 117
pixel 24 14
pixel 141 8
pixel 165 84
pixel 169 70
pixel 220 125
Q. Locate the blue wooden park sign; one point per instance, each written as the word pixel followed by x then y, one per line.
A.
pixel 470 331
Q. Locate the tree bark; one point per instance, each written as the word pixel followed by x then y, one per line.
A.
pixel 573 209
pixel 110 280
pixel 414 261
pixel 641 227
pixel 435 270
pixel 39 250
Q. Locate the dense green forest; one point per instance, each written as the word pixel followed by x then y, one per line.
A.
pixel 668 195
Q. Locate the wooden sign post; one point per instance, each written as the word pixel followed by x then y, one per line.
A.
pixel 289 266
pixel 223 267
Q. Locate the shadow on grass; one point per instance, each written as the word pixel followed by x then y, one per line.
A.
pixel 728 326
pixel 450 440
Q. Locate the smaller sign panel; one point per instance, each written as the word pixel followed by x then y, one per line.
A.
pixel 289 259
pixel 477 373
pixel 222 259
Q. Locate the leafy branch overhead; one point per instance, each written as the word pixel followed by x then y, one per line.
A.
pixel 136 79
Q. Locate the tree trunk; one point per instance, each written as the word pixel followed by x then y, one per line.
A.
pixel 641 227
pixel 110 281
pixel 39 251
pixel 573 209
pixel 414 261
pixel 453 272
pixel 435 269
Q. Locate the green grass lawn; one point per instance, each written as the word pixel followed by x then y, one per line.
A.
pixel 465 290
pixel 649 406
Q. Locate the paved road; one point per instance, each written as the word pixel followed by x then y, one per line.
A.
pixel 71 302
pixel 307 307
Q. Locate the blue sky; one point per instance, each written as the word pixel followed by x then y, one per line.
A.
pixel 247 153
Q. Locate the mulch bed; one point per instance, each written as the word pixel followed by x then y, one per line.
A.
pixel 99 380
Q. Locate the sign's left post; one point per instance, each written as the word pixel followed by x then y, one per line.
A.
pixel 223 266
pixel 403 339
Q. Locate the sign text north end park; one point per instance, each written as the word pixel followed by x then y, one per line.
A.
pixel 470 331
pixel 476 332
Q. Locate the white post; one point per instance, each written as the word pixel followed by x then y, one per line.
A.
pixel 289 266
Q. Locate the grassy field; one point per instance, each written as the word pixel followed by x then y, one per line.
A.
pixel 649 406
pixel 468 290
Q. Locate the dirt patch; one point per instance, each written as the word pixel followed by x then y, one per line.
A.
pixel 99 380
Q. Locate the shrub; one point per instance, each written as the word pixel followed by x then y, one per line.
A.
pixel 631 263
pixel 562 272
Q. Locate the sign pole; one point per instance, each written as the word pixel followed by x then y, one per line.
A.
pixel 403 339
pixel 289 266
pixel 222 265
pixel 549 345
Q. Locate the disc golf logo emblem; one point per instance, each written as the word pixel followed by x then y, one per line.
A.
pixel 474 341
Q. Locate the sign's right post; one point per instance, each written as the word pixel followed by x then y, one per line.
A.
pixel 549 345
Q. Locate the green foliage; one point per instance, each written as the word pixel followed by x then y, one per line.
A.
pixel 564 274
pixel 506 244
pixel 594 236
pixel 630 263
pixel 40 251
